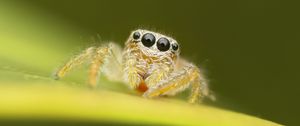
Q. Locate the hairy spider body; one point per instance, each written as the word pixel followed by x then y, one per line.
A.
pixel 149 63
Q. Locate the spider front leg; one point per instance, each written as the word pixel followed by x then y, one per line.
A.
pixel 179 81
pixel 93 54
pixel 132 68
pixel 158 72
pixel 131 72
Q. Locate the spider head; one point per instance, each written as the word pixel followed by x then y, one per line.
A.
pixel 154 44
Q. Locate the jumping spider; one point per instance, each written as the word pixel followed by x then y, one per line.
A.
pixel 149 63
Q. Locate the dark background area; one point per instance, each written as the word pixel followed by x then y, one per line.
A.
pixel 249 49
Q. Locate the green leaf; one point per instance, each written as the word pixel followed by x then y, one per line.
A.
pixel 32 97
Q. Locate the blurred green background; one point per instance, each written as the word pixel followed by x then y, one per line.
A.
pixel 249 49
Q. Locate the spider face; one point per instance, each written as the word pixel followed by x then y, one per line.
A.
pixel 153 44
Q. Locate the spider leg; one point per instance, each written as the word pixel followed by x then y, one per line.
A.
pixel 96 57
pixel 178 81
pixel 158 73
pixel 133 69
pixel 107 59
pixel 112 68
pixel 101 53
pixel 200 90
pixel 132 73
pixel 75 61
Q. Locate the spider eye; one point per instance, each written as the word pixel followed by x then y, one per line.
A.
pixel 136 35
pixel 175 46
pixel 163 44
pixel 148 40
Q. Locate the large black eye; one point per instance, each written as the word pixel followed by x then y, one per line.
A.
pixel 136 35
pixel 163 44
pixel 175 46
pixel 148 40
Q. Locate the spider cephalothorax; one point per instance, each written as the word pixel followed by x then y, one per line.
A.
pixel 147 50
pixel 149 63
